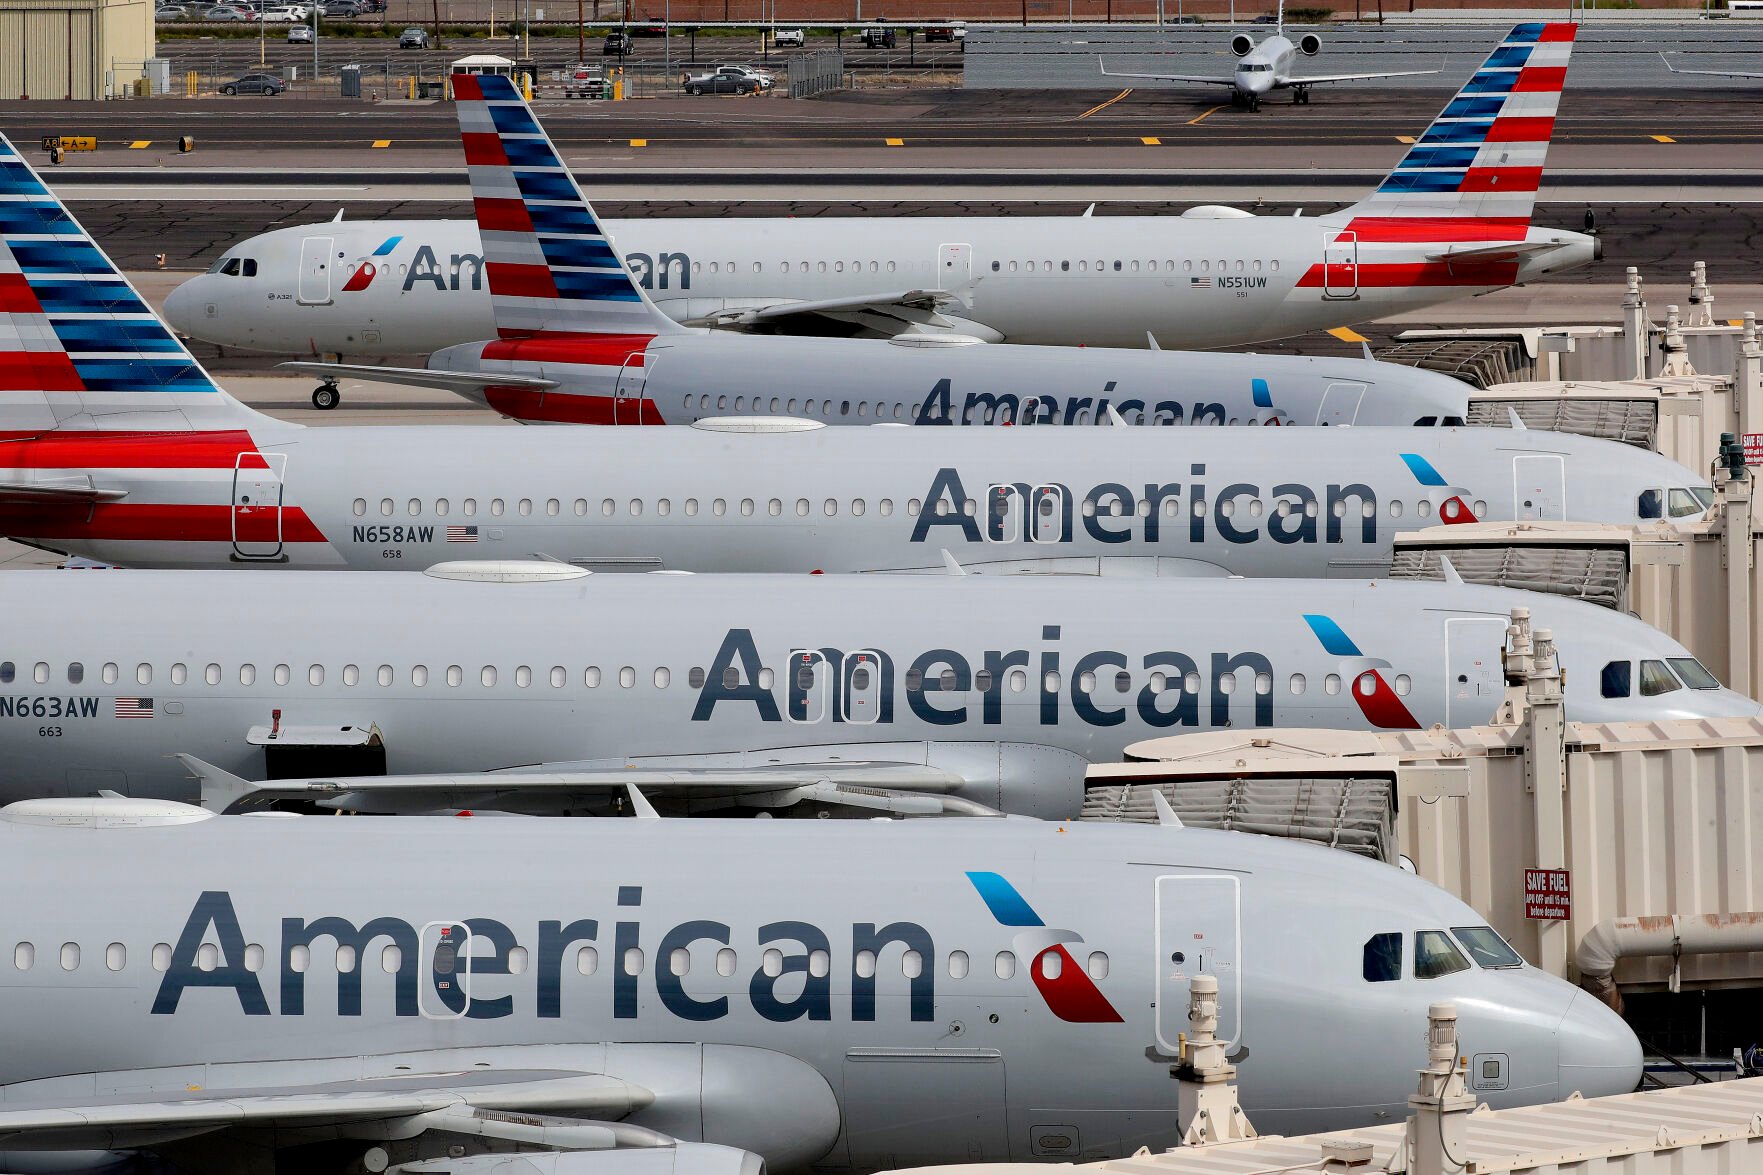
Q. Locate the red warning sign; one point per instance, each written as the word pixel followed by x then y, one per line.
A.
pixel 1753 448
pixel 1547 894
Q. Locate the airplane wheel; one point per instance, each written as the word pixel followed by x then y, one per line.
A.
pixel 326 397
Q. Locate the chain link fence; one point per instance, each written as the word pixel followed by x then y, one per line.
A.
pixel 816 73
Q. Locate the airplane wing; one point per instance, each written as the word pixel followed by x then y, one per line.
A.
pixel 1197 79
pixel 885 313
pixel 1708 73
pixel 897 788
pixel 421 377
pixel 364 1108
pixel 1354 77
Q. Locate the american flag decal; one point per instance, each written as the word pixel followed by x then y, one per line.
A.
pixel 134 707
pixel 462 534
pixel 1199 283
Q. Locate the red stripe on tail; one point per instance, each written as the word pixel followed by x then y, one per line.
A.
pixel 1541 79
pixel 16 296
pixel 501 215
pixel 484 149
pixel 511 280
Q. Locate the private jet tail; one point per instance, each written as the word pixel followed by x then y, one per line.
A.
pixel 551 268
pixel 1473 175
pixel 80 350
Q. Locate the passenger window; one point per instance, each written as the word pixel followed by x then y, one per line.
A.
pixel 488 676
pixel 24 956
pixel 386 506
pixel 441 507
pixel 161 956
pixel 957 964
pixel 496 507
pixel 384 676
pixel 116 956
pixel 1435 955
pixel 863 964
pixel 746 507
pixel 315 675
pixel 1618 679
pixel 419 675
pixel 523 676
pixel 76 673
pixel 1098 965
pixel 591 676
pixel 1005 965
pixel 581 507
pixel 633 960
pixel 455 675
pixel 413 507
pixel 110 673
pixel 1486 947
pixel 526 507
pixel 662 676
pixel 718 507
pixel 1650 504
pixel 587 961
pixel 360 507
pixel 1383 958
pixel 1693 673
pixel 1297 684
pixel 1656 679
pixel 247 674
pixel 558 677
pixel 691 507
pixel 469 506
pixel 70 956
pixel 211 674
pixel 726 960
pixel 627 677
pixel 180 673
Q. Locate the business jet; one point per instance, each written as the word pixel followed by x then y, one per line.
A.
pixel 1452 220
pixel 1709 73
pixel 1266 67
pixel 693 997
pixel 996 690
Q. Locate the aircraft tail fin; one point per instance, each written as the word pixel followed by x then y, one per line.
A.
pixel 550 266
pixel 1473 175
pixel 80 349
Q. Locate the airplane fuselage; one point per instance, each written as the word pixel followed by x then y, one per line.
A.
pixel 1277 502
pixel 451 673
pixel 408 287
pixel 851 995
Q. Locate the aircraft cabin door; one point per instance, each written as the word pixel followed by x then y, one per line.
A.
pixel 444 959
pixel 315 270
pixel 628 396
pixel 257 505
pixel 1340 403
pixel 1340 266
pixel 1539 488
pixel 954 266
pixel 1475 677
pixel 1199 932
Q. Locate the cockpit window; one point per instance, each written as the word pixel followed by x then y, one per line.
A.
pixel 1618 679
pixel 1426 422
pixel 220 266
pixel 250 267
pixel 1436 955
pixel 1383 958
pixel 1651 504
pixel 1693 673
pixel 1487 948
pixel 1656 679
pixel 1687 502
pixel 1453 422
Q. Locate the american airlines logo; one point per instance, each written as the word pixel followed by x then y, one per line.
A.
pixel 661 271
pixel 782 970
pixel 939 407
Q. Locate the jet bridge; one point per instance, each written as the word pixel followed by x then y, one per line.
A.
pixel 1629 823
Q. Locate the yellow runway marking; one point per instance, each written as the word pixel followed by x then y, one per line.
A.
pixel 1204 117
pixel 1408 139
pixel 896 142
pixel 1347 334
pixel 1662 138
pixel 382 142
pixel 639 142
pixel 1104 105
pixel 140 143
pixel 1151 141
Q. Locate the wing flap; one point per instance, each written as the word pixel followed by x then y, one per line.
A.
pixel 420 377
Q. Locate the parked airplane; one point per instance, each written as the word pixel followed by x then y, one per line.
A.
pixel 1452 220
pixel 1710 73
pixel 449 990
pixel 115 444
pixel 994 689
pixel 1267 67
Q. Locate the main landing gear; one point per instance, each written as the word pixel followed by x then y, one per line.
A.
pixel 325 396
pixel 1300 95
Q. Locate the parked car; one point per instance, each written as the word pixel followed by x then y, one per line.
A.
pixel 169 12
pixel 299 34
pixel 875 37
pixel 617 45
pixel 336 8
pixel 225 12
pixel 281 14
pixel 255 83
pixel 954 31
pixel 789 38
pixel 764 78
pixel 648 28
pixel 413 38
pixel 727 79
pixel 585 81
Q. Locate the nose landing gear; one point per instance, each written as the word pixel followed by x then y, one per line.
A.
pixel 325 396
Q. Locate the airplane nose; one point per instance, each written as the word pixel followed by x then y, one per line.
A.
pixel 1598 1053
pixel 180 307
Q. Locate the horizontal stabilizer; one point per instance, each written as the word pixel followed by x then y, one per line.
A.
pixel 135 1119
pixel 1504 251
pixel 420 377
pixel 50 493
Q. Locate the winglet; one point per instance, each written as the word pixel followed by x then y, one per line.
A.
pixel 338 218
pixel 1165 814
pixel 953 564
pixel 1365 350
pixel 221 791
pixel 1116 418
pixel 1151 341
pixel 640 803
pixel 1089 212
pixel 1448 571
pixel 1516 421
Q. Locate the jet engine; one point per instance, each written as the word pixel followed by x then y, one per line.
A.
pixel 1310 44
pixel 1241 44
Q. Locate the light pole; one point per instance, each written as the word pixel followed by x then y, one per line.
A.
pixel 315 4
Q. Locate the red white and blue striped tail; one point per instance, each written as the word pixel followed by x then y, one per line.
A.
pixel 551 268
pixel 79 347
pixel 1473 175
